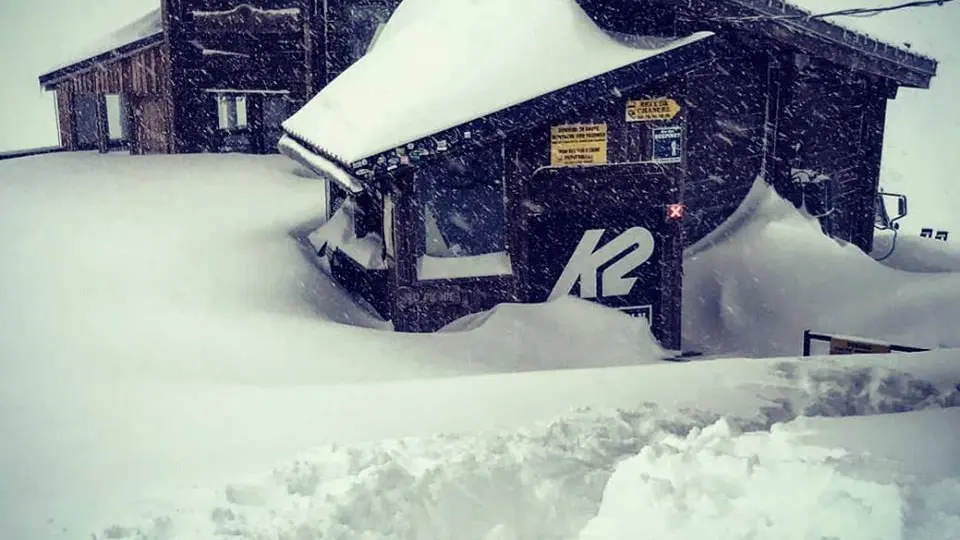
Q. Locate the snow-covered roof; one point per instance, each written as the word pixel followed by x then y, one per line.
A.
pixel 440 63
pixel 148 25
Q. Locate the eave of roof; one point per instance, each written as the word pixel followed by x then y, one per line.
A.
pixel 49 80
pixel 793 26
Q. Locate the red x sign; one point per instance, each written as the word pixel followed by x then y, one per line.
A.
pixel 675 211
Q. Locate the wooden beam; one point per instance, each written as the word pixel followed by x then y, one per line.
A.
pixel 103 125
pixel 68 136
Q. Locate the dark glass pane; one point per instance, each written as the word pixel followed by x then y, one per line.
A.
pixel 463 205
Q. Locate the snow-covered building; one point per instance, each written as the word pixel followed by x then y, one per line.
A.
pixel 489 151
pixel 208 75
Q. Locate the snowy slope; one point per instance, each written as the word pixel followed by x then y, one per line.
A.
pixel 173 367
pixel 753 287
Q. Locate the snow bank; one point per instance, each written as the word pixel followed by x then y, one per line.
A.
pixel 675 473
pixel 437 62
pixel 566 333
pixel 754 285
pixel 719 483
pixel 916 254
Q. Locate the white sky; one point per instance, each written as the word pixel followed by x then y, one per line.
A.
pixel 923 126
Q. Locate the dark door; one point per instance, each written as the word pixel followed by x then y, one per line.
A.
pixel 149 126
pixel 605 234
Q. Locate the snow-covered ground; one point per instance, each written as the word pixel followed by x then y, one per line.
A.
pixel 173 366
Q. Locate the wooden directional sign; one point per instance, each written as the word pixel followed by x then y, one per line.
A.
pixel 648 110
pixel 852 346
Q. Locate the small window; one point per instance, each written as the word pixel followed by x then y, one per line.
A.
pixel 463 205
pixel 115 119
pixel 232 112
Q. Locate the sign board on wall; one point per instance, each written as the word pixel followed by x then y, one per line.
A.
pixel 578 144
pixel 668 144
pixel 851 346
pixel 650 110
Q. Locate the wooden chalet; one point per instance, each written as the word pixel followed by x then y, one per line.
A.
pixel 209 75
pixel 434 221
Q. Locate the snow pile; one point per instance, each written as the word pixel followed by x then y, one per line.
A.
pixel 513 337
pixel 718 483
pixel 437 62
pixel 915 253
pixel 678 471
pixel 767 274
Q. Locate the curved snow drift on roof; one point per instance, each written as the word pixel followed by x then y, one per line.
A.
pixel 440 63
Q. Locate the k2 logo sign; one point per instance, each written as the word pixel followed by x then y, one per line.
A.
pixel 584 266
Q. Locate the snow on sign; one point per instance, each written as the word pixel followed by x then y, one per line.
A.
pixel 648 110
pixel 578 144
pixel 668 144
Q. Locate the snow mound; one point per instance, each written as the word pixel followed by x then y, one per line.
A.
pixel 581 334
pixel 756 283
pixel 916 254
pixel 720 483
pixel 696 468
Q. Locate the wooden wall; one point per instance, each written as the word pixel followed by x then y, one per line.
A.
pixel 832 123
pixel 141 73
pixel 726 103
pixel 225 45
pixel 139 77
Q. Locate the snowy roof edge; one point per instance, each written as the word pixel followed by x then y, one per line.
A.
pixel 317 163
pixel 505 122
pixel 52 77
pixel 796 21
pixel 143 32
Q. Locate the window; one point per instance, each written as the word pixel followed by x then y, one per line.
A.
pixel 463 205
pixel 232 112
pixel 115 118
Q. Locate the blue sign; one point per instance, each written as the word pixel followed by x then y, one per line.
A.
pixel 668 144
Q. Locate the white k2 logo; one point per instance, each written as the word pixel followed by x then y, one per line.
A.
pixel 586 261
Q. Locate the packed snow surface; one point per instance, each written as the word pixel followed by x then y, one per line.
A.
pixel 437 65
pixel 174 366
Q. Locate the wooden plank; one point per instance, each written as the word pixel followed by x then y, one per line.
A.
pixel 65 115
pixel 103 125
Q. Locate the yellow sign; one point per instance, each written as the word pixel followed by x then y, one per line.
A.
pixel 647 110
pixel 849 346
pixel 578 144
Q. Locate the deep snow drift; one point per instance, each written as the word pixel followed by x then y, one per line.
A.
pixel 754 285
pixel 174 367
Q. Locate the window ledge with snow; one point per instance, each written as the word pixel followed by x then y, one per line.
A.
pixel 339 234
pixel 486 265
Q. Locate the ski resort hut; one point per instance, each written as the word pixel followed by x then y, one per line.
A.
pixel 581 150
pixel 209 75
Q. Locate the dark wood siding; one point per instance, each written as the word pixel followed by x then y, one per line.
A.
pixel 141 73
pixel 81 107
pixel 832 124
pixel 257 48
pixel 68 137
pixel 350 27
pixel 727 112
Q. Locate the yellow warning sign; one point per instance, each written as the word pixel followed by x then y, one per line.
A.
pixel 578 144
pixel 849 346
pixel 648 110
